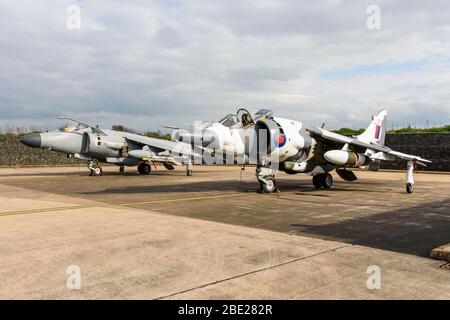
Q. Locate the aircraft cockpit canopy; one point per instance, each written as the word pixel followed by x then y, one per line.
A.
pixel 247 119
pixel 71 128
pixel 243 118
pixel 262 113
pixel 229 121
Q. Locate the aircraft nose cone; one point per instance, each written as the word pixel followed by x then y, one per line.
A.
pixel 32 140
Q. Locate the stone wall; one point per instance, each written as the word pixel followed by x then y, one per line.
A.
pixel 433 146
pixel 13 153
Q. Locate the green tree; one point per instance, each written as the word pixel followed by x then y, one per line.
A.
pixel 118 127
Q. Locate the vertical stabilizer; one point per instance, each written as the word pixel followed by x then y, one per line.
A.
pixel 376 131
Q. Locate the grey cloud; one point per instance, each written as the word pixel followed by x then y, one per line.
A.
pixel 189 60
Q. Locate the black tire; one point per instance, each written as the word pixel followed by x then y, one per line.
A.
pixel 409 188
pixel 327 180
pixel 189 173
pixel 145 168
pixel 317 182
pixel 268 187
pixel 121 169
pixel 97 172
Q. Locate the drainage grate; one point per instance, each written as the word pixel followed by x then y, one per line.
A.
pixel 445 266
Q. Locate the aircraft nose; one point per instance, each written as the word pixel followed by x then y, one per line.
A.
pixel 32 140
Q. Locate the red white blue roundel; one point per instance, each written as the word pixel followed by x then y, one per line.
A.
pixel 378 129
pixel 279 139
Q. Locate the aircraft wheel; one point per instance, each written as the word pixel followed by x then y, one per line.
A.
pixel 317 181
pixel 327 180
pixel 144 168
pixel 269 186
pixel 122 169
pixel 409 188
pixel 189 172
pixel 96 172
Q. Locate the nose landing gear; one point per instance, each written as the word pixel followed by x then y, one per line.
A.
pixel 95 169
pixel 266 179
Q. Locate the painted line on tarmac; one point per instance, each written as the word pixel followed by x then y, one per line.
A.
pixel 44 210
pixel 254 271
pixel 184 199
pixel 112 205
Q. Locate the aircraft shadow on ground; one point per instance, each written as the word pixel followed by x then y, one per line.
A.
pixel 415 230
pixel 229 185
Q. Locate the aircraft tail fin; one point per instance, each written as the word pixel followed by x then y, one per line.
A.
pixel 376 131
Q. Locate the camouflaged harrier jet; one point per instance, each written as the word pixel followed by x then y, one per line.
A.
pixel 277 144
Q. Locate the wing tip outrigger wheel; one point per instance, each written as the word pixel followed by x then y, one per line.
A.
pixel 410 165
pixel 409 188
pixel 189 167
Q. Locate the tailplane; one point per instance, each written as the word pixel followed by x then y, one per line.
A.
pixel 376 131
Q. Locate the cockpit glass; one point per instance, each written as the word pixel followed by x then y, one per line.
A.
pixel 229 121
pixel 262 112
pixel 81 126
pixel 66 128
pixel 71 128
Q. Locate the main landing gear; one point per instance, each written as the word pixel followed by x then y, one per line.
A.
pixel 323 180
pixel 95 169
pixel 144 168
pixel 266 179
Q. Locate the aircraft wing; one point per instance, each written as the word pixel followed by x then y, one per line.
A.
pixel 162 145
pixel 335 137
pixel 382 152
pixel 409 157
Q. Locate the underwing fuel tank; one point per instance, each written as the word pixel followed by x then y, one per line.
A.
pixel 345 158
pixel 140 154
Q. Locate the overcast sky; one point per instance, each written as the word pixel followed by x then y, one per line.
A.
pixel 146 63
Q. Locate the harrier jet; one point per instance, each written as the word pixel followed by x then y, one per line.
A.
pixel 115 147
pixel 298 148
pixel 274 143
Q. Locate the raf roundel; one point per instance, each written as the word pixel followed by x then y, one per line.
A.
pixel 280 140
